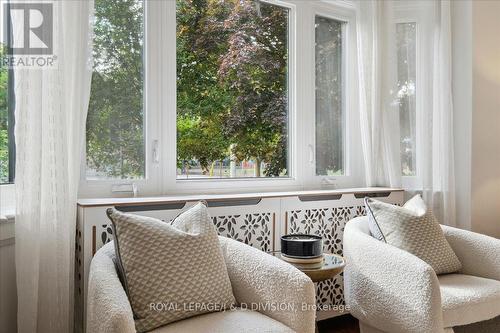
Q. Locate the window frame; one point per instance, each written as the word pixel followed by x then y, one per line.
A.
pixel 150 184
pixel 353 175
pixel 172 183
pixel 11 125
pixel 343 74
pixel 263 181
pixel 160 109
pixel 8 189
pixel 418 13
pixel 11 103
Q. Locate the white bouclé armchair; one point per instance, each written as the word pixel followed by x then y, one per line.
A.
pixel 283 298
pixel 390 290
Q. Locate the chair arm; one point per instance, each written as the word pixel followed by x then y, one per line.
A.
pixel 388 288
pixel 108 308
pixel 267 284
pixel 479 254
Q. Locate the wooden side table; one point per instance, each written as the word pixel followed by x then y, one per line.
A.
pixel 333 265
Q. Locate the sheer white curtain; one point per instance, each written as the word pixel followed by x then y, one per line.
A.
pixel 379 117
pixel 377 78
pixel 51 108
pixel 438 170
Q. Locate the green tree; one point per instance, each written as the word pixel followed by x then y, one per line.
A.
pixel 115 139
pixel 201 99
pixel 256 68
pixel 231 86
pixel 4 144
pixel 232 70
pixel 199 140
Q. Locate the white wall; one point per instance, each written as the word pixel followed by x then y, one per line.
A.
pixel 485 171
pixel 476 99
pixel 461 27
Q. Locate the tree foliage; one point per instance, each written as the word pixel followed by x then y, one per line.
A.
pixel 115 140
pixel 200 98
pixel 232 71
pixel 4 144
pixel 231 86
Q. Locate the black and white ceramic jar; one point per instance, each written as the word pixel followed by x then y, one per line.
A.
pixel 301 246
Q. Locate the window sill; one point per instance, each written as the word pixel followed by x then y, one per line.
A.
pixel 7 200
pixel 7 229
pixel 93 202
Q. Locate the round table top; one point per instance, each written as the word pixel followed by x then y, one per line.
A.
pixel 332 266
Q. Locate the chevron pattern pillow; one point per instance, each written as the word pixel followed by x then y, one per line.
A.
pixel 413 228
pixel 171 271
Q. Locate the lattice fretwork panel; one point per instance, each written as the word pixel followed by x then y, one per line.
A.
pixel 252 229
pixel 252 225
pixel 328 223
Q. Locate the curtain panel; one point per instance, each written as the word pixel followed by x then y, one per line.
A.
pixel 51 108
pixel 380 126
pixel 377 80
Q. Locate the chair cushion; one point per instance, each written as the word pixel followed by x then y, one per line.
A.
pixel 237 320
pixel 468 299
pixel 413 228
pixel 171 271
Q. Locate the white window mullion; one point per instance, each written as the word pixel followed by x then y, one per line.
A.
pixel 153 93
pixel 168 95
pixel 305 95
pixel 354 149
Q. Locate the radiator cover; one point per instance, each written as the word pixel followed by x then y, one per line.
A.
pixel 258 220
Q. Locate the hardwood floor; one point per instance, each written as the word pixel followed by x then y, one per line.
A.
pixel 341 324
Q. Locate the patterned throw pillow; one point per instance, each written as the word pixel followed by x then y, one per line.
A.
pixel 413 228
pixel 171 271
pixel 372 224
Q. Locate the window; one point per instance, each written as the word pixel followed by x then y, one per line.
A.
pixel 115 121
pixel 329 97
pixel 232 89
pixel 406 42
pixel 7 147
pixel 209 96
pixel 4 132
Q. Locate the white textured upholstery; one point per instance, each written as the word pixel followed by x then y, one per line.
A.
pixel 256 278
pixel 108 308
pixel 390 290
pixel 467 299
pixel 244 321
pixel 479 254
pixel 259 278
